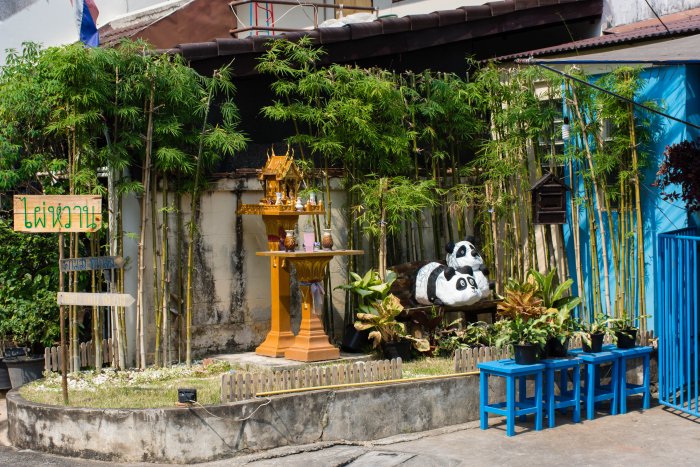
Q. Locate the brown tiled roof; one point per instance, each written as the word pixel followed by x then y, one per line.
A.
pixel 678 25
pixel 440 27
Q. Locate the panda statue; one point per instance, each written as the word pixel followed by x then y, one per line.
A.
pixel 464 254
pixel 437 284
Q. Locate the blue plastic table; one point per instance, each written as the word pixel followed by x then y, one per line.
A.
pixel 510 408
pixel 565 398
pixel 593 391
pixel 628 389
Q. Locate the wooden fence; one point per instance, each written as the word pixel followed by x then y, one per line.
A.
pixel 241 386
pixel 465 360
pixel 86 353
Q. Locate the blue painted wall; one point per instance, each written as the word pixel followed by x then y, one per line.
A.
pixel 677 90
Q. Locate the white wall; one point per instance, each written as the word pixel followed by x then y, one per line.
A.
pixel 618 12
pixel 52 22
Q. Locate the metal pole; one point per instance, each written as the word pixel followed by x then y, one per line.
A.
pixel 64 356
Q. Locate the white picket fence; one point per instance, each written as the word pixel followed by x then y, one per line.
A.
pixel 465 360
pixel 86 353
pixel 239 386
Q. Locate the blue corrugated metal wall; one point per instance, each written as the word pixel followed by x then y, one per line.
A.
pixel 673 88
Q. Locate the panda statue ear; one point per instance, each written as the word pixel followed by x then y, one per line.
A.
pixel 449 247
pixel 485 271
pixel 466 270
pixel 449 273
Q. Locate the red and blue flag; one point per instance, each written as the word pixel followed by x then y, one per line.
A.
pixel 86 14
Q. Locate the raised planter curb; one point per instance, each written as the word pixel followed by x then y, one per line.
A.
pixel 189 435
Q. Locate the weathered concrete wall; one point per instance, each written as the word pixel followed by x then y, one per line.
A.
pixel 194 435
pixel 231 291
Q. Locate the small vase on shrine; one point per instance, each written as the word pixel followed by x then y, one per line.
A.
pixel 327 240
pixel 290 241
pixel 298 206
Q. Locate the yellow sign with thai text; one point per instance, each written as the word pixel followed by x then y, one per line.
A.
pixel 57 213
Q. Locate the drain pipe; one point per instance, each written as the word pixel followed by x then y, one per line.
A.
pixel 369 383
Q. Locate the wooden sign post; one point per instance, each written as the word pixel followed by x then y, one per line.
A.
pixel 92 263
pixel 95 299
pixel 59 213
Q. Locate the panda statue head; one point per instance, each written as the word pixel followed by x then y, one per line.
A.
pixel 463 254
pixel 443 285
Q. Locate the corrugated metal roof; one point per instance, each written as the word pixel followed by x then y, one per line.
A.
pixel 668 51
pixel 649 31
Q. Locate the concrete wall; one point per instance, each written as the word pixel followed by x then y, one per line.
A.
pixel 186 435
pixel 231 300
pixel 618 12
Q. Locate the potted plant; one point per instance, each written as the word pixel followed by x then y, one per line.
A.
pixel 625 330
pixel 387 332
pixel 528 337
pixel 368 289
pixel 593 333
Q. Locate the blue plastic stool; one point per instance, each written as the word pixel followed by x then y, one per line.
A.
pixel 566 398
pixel 593 391
pixel 628 389
pixel 510 408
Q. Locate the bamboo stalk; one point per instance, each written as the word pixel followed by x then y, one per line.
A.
pixel 598 200
pixel 156 279
pixel 640 226
pixel 165 276
pixel 141 293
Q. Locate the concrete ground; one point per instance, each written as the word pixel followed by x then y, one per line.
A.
pixel 658 436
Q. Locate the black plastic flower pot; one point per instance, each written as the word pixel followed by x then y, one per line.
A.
pixel 626 339
pixel 555 349
pixel 526 354
pixel 354 341
pixel 24 370
pixel 398 349
pixel 596 343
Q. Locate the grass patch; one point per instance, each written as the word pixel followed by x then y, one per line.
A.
pixel 157 387
pixel 151 388
pixel 428 366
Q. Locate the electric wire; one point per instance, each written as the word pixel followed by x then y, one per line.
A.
pixel 531 61
pixel 235 419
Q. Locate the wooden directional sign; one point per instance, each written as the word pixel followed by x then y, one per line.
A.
pixel 92 263
pixel 95 299
pixel 59 213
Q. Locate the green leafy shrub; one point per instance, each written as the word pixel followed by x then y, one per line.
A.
pixel 28 285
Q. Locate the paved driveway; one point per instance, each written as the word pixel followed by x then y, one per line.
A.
pixel 657 437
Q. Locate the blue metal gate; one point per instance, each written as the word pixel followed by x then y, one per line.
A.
pixel 677 319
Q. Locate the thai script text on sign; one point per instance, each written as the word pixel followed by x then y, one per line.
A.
pixel 57 213
pixel 92 263
pixel 94 299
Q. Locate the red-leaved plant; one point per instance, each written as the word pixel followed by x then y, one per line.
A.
pixel 681 166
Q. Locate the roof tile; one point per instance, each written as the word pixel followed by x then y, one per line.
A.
pixel 501 8
pixel 394 25
pixel 233 46
pixel 419 22
pixel 476 12
pixel 330 35
pixel 199 50
pixel 447 17
pixel 362 30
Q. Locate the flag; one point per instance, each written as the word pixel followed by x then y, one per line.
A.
pixel 86 14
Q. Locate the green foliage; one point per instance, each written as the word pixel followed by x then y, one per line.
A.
pixel 398 198
pixel 369 288
pixel 553 296
pixel 28 285
pixel 520 330
pixel 383 325
pixel 472 335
